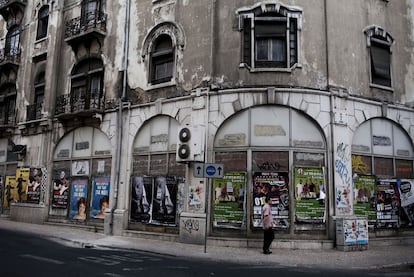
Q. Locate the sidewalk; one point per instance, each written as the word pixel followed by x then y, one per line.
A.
pixel 386 256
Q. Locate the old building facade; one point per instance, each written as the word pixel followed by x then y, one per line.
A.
pixel 177 118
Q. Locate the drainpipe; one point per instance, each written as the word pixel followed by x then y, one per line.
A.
pixel 118 153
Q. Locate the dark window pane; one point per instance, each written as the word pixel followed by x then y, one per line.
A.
pixel 380 64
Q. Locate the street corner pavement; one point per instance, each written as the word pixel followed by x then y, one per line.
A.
pixel 395 255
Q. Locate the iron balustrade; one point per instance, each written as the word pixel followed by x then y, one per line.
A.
pixel 4 3
pixel 34 111
pixel 89 22
pixel 10 55
pixel 85 102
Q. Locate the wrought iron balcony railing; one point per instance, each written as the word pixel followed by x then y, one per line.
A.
pixel 7 118
pixel 34 111
pixel 84 103
pixel 10 56
pixel 91 21
pixel 5 3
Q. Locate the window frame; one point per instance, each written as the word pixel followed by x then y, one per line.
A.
pixel 163 57
pixel 378 38
pixel 42 22
pixel 289 20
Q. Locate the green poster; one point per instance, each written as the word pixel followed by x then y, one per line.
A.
pixel 310 194
pixel 229 198
pixel 364 197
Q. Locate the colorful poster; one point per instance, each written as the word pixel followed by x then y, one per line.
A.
pixel 196 197
pixel 141 198
pixel 386 204
pixel 229 199
pixel 310 194
pixel 100 197
pixel 364 197
pixel 276 186
pixel 78 197
pixel 10 191
pixel 60 197
pixel 164 200
pixel 22 179
pixel 405 191
pixel 34 185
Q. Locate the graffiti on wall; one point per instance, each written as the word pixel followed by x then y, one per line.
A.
pixel 191 225
pixel 343 190
pixel 358 165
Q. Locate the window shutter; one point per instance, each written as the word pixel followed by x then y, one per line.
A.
pixel 247 41
pixel 380 65
pixel 293 41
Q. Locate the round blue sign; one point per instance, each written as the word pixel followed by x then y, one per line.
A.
pixel 210 170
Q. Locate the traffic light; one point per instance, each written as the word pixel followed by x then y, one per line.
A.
pixel 190 144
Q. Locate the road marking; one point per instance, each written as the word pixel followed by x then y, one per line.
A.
pixel 53 261
pixel 99 260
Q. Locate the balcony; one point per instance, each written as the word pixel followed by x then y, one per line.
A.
pixel 7 119
pixel 10 7
pixel 34 112
pixel 75 107
pixel 87 27
pixel 9 57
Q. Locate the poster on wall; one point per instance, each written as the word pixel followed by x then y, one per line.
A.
pixel 310 194
pixel 387 205
pixel 164 200
pixel 406 195
pixel 60 197
pixel 80 168
pixel 34 185
pixel 196 197
pixel 78 197
pixel 276 186
pixel 229 199
pixel 100 197
pixel 10 191
pixel 141 198
pixel 364 197
pixel 22 179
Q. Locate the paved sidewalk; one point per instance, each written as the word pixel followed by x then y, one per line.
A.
pixel 388 256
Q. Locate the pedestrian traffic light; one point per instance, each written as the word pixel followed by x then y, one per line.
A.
pixel 190 145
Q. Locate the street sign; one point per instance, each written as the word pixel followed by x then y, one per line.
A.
pixel 208 170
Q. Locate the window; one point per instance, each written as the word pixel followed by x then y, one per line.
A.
pixel 87 85
pixel 90 12
pixel 379 44
pixel 7 104
pixel 270 38
pixel 162 60
pixel 13 41
pixel 39 95
pixel 42 22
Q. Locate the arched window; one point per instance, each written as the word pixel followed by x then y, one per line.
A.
pixel 87 84
pixel 42 22
pixel 162 60
pixel 13 41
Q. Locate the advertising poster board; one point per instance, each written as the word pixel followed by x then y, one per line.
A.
pixel 34 185
pixel 22 179
pixel 141 198
pixel 386 204
pixel 276 186
pixel 310 194
pixel 78 199
pixel 229 198
pixel 164 200
pixel 60 197
pixel 406 196
pixel 100 197
pixel 10 191
pixel 364 197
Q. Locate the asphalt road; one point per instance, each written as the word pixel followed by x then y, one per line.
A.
pixel 26 254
